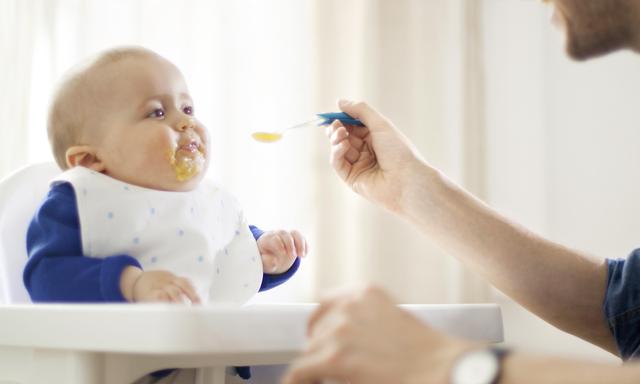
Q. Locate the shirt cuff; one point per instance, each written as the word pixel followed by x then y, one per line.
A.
pixel 257 232
pixel 110 274
pixel 271 281
pixel 622 303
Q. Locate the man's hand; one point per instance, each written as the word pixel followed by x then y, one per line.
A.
pixel 156 286
pixel 375 160
pixel 364 338
pixel 279 249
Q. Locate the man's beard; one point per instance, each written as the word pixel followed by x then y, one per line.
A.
pixel 597 27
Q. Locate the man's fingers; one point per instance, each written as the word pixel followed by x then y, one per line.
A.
pixel 358 132
pixel 345 147
pixel 363 112
pixel 326 305
pixel 340 298
pixel 338 135
pixel 332 127
pixel 313 368
pixel 338 161
pixel 356 142
pixel 352 155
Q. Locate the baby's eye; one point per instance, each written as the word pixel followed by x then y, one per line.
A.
pixel 188 110
pixel 157 113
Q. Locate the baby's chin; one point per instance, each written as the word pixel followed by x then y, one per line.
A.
pixel 188 165
pixel 166 180
pixel 182 184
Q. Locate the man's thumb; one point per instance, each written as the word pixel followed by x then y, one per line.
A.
pixel 359 110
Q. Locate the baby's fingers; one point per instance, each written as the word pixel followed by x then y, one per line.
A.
pixel 300 243
pixel 174 292
pixel 159 296
pixel 270 263
pixel 289 243
pixel 188 290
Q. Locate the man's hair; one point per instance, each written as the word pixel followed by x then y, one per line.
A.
pixel 68 117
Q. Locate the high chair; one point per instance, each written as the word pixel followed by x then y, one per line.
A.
pixel 119 343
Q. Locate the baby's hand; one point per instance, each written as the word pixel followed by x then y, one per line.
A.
pixel 154 286
pixel 279 249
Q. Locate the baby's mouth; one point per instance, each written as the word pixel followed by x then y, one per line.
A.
pixel 187 159
pixel 191 147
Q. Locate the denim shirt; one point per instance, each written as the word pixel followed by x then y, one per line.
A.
pixel 622 304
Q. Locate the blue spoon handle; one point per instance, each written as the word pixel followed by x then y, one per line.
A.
pixel 345 119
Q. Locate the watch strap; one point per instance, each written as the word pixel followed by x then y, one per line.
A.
pixel 500 353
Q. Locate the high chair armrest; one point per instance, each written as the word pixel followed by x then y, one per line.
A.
pixel 124 341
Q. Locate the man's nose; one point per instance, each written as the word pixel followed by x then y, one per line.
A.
pixel 184 124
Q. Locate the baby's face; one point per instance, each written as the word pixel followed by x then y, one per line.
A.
pixel 149 134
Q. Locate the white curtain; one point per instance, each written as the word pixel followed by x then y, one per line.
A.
pixel 17 35
pixel 263 65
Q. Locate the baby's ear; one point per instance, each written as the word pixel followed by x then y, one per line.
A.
pixel 85 156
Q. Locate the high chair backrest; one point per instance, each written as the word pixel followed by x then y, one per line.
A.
pixel 20 195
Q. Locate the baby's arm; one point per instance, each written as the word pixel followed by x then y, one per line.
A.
pixel 270 281
pixel 56 270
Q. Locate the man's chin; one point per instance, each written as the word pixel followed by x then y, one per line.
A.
pixel 584 53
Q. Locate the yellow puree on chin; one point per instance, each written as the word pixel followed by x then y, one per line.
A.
pixel 186 167
pixel 266 137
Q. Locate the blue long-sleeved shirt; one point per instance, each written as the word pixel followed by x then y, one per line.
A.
pixel 57 271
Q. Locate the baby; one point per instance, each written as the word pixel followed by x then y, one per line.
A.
pixel 131 218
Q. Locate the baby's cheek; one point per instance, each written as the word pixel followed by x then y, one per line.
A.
pixel 156 151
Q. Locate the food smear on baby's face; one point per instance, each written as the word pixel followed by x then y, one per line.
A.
pixel 266 137
pixel 187 161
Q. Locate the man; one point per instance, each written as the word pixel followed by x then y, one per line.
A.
pixel 362 337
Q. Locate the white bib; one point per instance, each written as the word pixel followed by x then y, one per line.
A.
pixel 201 234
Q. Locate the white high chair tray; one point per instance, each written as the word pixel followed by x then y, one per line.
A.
pixel 115 344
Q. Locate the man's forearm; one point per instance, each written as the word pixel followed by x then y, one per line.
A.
pixel 563 286
pixel 523 369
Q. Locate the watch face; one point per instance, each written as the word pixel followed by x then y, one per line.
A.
pixel 477 367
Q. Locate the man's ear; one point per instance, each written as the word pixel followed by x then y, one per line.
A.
pixel 84 155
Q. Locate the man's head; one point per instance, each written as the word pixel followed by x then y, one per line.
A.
pixel 127 113
pixel 597 27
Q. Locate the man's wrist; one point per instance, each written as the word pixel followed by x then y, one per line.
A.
pixel 416 184
pixel 479 366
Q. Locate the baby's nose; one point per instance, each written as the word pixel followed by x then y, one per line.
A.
pixel 185 124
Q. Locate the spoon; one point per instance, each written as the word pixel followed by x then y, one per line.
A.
pixel 320 120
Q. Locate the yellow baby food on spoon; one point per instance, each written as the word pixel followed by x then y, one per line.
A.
pixel 271 137
pixel 266 137
pixel 320 120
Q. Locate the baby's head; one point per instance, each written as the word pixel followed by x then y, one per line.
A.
pixel 127 113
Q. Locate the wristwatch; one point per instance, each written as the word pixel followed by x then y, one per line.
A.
pixel 480 366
